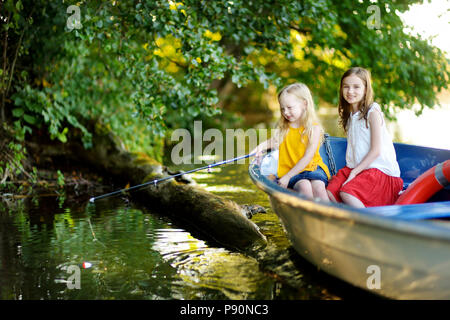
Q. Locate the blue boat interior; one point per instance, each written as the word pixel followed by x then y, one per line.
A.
pixel 413 161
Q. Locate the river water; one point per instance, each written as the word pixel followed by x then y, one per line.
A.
pixel 56 248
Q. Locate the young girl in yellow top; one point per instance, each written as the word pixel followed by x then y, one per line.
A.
pixel 300 166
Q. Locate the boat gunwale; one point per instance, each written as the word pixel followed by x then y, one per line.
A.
pixel 343 212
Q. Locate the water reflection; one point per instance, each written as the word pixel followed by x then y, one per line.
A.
pixel 226 188
pixel 232 274
pixel 131 254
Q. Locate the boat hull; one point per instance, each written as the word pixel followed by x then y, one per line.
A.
pixel 407 266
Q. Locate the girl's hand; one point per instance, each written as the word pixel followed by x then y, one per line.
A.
pixel 284 181
pixel 258 154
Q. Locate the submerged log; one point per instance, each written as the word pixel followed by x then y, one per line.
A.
pixel 219 219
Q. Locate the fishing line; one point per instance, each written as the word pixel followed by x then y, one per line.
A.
pixel 156 181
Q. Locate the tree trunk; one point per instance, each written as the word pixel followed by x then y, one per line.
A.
pixel 215 218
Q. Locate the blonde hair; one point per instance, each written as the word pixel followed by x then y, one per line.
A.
pixel 344 107
pixel 309 117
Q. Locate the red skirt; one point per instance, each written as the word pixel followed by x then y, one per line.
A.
pixel 372 186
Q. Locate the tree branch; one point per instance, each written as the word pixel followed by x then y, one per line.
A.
pixel 296 28
pixel 5 50
pixel 15 59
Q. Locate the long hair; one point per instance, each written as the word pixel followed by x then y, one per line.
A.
pixel 344 107
pixel 309 117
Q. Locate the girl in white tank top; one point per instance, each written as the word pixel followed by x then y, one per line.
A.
pixel 358 144
pixel 371 176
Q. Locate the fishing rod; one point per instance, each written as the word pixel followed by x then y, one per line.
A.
pixel 156 181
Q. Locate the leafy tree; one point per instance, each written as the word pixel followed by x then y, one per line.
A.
pixel 143 67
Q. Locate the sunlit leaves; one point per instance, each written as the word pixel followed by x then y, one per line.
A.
pixel 143 67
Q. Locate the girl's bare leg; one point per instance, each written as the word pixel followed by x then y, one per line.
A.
pixel 304 187
pixel 319 191
pixel 351 200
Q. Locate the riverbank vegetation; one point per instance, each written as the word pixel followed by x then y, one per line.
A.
pixel 140 69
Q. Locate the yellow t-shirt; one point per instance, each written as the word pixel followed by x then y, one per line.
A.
pixel 292 149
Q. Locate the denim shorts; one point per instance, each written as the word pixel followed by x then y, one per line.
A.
pixel 318 174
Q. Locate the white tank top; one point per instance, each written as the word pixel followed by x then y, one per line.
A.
pixel 358 144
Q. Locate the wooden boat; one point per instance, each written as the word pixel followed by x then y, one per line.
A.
pixel 398 251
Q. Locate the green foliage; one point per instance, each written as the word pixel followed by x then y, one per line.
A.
pixel 60 179
pixel 145 67
pixel 12 158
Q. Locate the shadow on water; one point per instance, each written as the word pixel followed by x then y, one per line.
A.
pixel 120 252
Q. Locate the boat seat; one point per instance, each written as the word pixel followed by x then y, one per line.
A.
pixel 413 161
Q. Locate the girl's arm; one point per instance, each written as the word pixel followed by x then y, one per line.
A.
pixel 375 121
pixel 306 159
pixel 271 143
